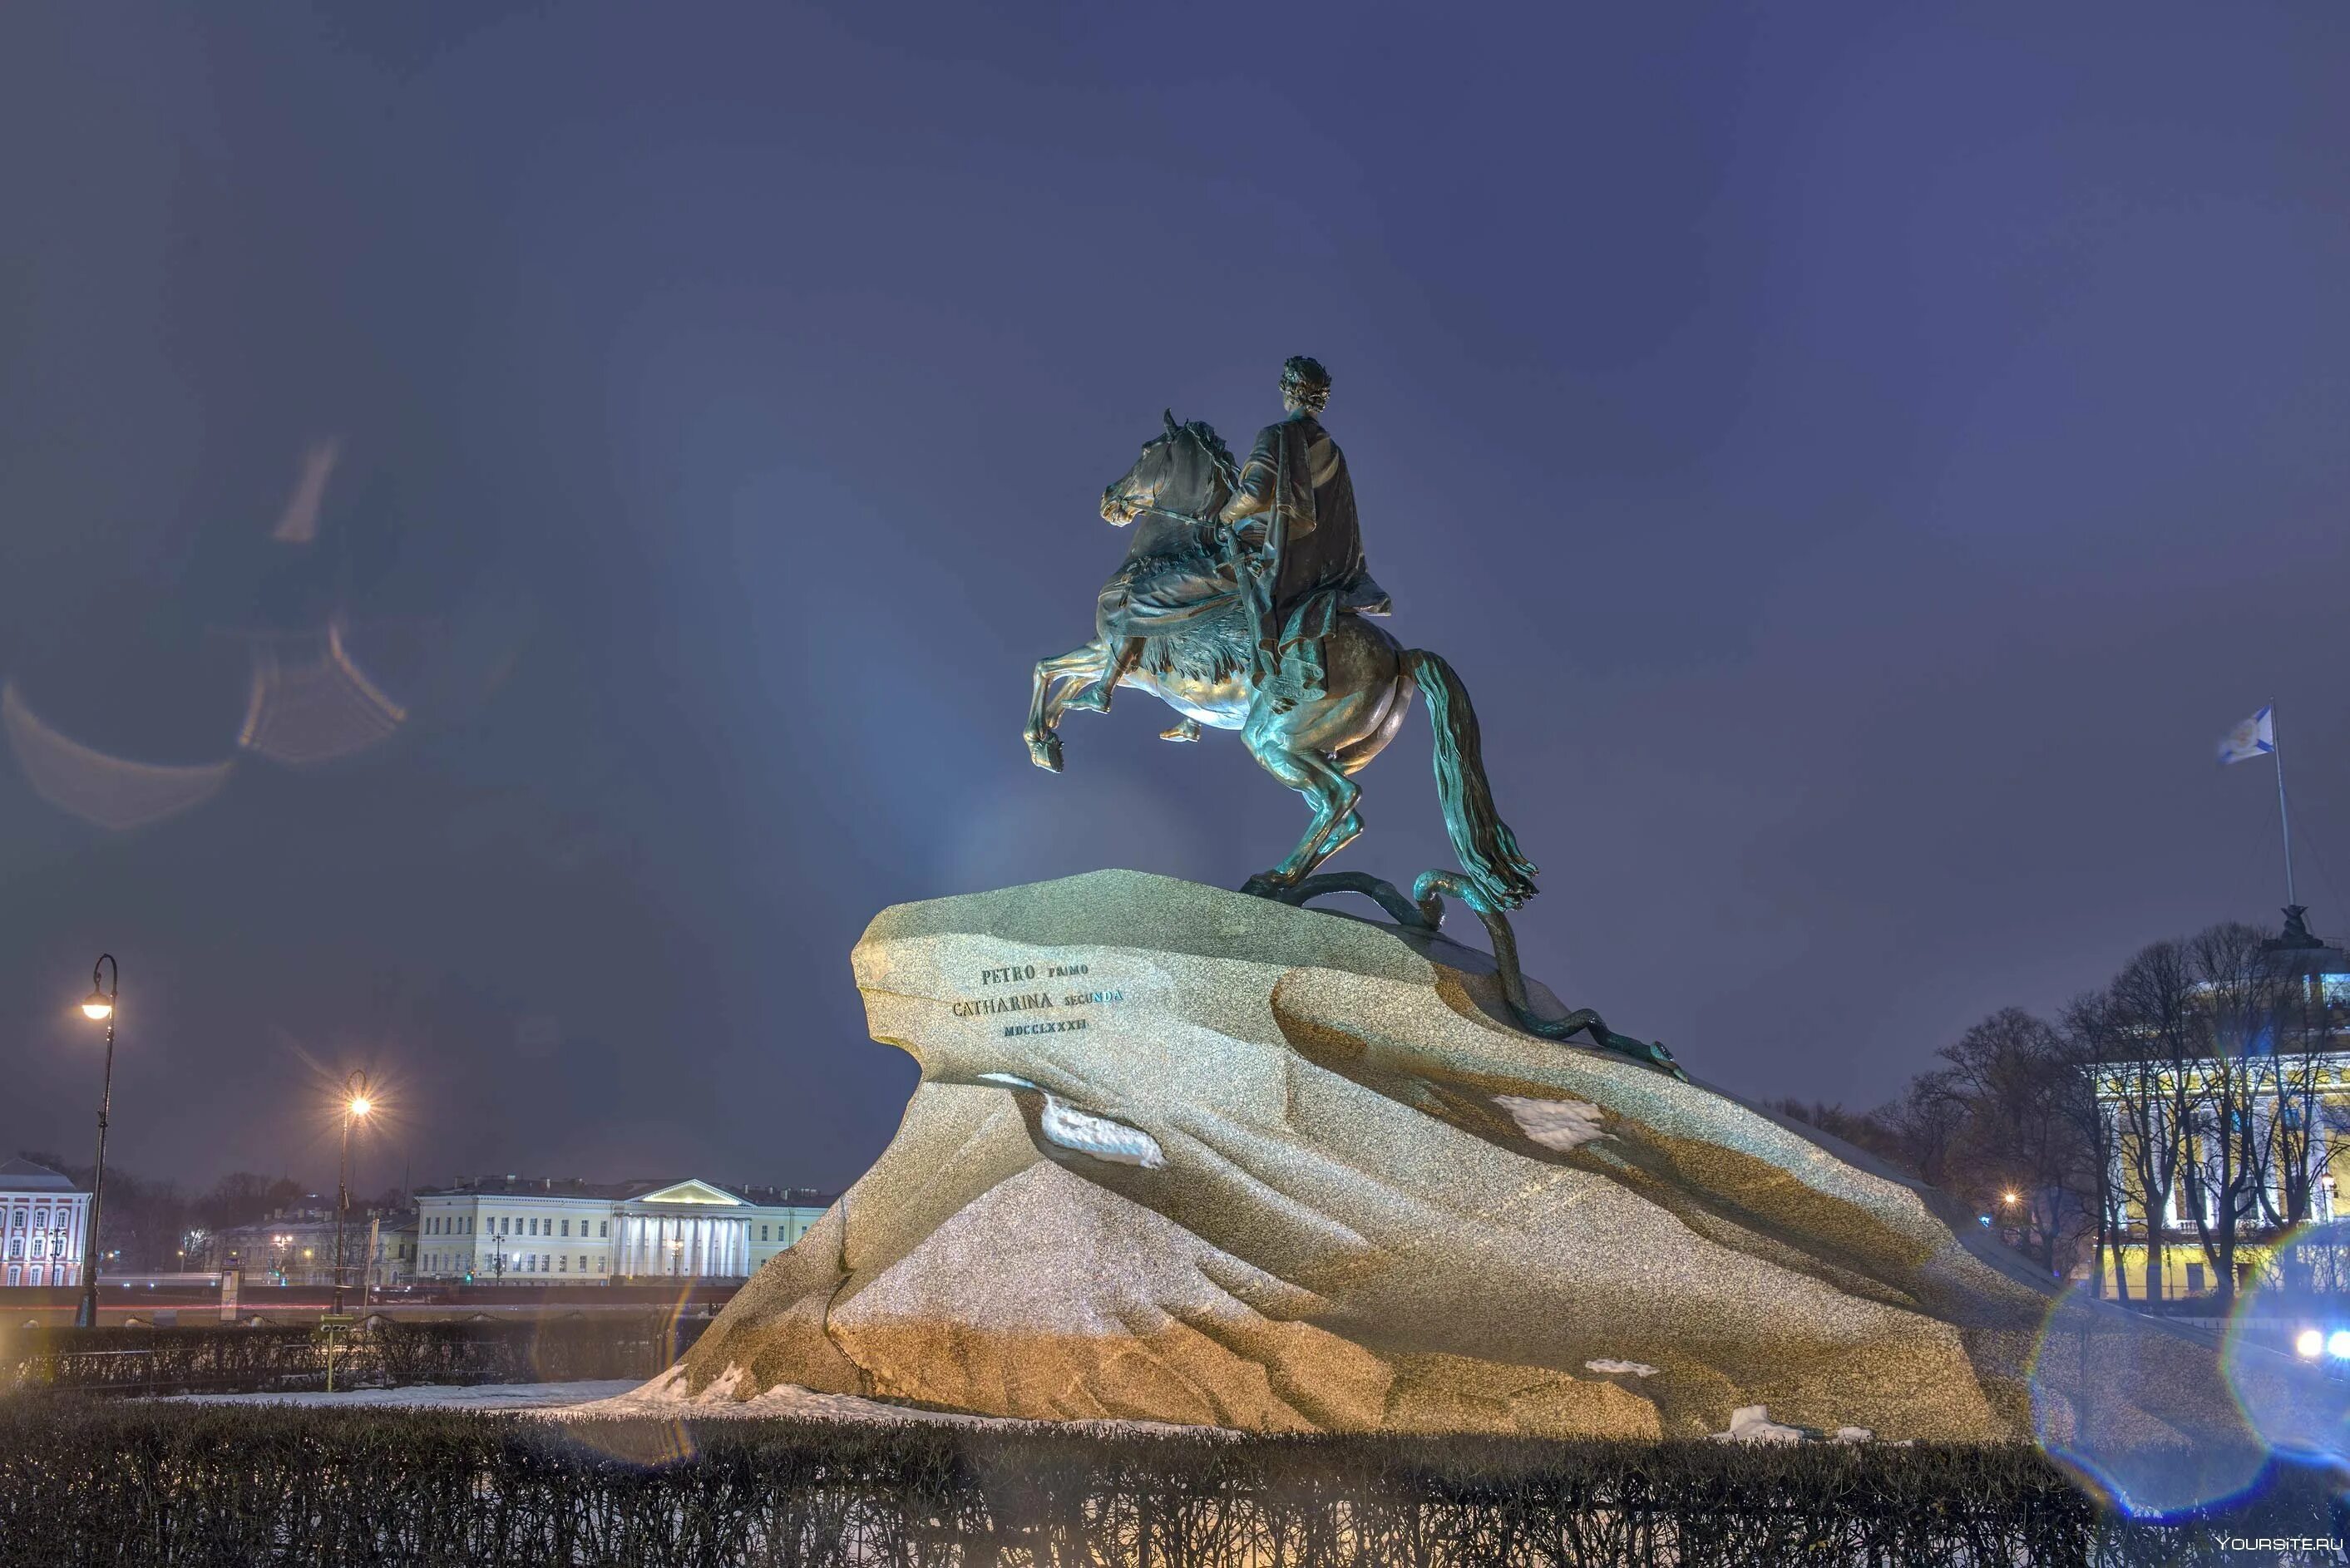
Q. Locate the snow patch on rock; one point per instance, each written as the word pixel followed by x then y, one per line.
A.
pixel 1561 1125
pixel 1083 1132
pixel 1609 1363
pixel 1086 1133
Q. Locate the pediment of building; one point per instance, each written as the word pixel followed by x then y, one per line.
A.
pixel 689 1192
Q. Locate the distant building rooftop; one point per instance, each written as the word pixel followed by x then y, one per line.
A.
pixel 23 1176
pixel 2295 950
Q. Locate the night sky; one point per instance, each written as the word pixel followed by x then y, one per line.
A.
pixel 1859 458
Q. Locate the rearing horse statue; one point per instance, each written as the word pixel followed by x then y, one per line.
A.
pixel 1205 666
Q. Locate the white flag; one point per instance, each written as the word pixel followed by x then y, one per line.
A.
pixel 2255 737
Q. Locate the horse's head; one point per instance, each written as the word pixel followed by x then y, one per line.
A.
pixel 1185 469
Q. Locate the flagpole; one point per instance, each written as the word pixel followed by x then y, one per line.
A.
pixel 2284 817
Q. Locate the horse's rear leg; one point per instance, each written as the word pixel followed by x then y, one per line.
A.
pixel 1331 794
pixel 1045 704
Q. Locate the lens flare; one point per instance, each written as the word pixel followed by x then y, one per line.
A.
pixel 562 1348
pixel 116 792
pixel 2287 1347
pixel 309 700
pixel 2138 1410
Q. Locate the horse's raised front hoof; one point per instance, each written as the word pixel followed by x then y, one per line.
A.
pixel 1044 751
pixel 1269 884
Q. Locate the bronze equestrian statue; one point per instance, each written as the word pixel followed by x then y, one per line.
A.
pixel 1242 604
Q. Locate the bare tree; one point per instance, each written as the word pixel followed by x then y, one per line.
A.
pixel 2308 1025
pixel 2017 1154
pixel 2091 1038
pixel 1926 1125
pixel 2231 1157
pixel 2155 1039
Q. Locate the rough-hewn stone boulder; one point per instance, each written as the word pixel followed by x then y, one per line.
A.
pixel 1183 1154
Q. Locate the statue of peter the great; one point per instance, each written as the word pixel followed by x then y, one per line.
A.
pixel 1243 604
pixel 1296 503
pixel 1292 517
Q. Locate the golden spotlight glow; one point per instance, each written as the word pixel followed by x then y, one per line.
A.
pixel 360 1106
pixel 2007 1197
pixel 96 1004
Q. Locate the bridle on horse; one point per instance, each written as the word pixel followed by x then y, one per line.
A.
pixel 1209 526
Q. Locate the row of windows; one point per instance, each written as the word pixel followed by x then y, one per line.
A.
pixel 442 1225
pixel 55 1243
pixel 38 1276
pixel 523 1263
pixel 39 1220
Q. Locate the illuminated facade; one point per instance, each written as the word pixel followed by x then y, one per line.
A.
pixel 43 1221
pixel 542 1230
pixel 2186 1270
pixel 2287 1100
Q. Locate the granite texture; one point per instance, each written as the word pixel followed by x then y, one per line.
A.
pixel 1183 1154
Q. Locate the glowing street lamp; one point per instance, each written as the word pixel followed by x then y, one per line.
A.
pixel 356 1107
pixel 98 1004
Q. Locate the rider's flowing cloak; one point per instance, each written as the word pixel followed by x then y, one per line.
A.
pixel 1319 569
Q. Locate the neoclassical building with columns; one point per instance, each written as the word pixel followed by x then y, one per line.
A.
pixel 518 1229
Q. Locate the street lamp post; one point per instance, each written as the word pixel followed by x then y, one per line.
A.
pixel 99 1004
pixel 356 1104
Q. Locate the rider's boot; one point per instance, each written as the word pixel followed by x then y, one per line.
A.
pixel 1095 695
pixel 1184 729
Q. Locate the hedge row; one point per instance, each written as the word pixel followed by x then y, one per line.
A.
pixel 221 1358
pixel 106 1482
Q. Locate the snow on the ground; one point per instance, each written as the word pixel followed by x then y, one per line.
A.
pixel 436 1395
pixel 666 1397
pixel 1753 1424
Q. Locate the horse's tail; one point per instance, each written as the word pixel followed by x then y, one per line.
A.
pixel 1487 849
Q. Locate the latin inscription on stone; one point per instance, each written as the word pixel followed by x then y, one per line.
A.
pixel 1028 988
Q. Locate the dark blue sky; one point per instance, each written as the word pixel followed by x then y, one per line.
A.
pixel 1858 457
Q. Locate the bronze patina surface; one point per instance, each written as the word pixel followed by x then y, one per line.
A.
pixel 1241 605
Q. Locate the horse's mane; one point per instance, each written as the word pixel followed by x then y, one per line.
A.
pixel 1204 435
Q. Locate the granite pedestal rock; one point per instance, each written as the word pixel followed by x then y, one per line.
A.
pixel 1183 1154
